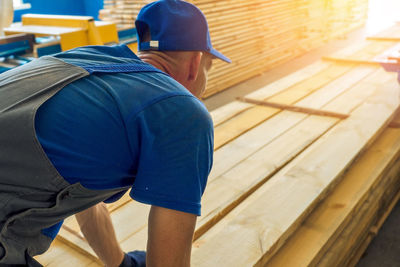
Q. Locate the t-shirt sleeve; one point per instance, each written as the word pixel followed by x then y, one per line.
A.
pixel 175 148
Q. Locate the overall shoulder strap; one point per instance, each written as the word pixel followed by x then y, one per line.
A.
pixel 122 68
pixel 106 59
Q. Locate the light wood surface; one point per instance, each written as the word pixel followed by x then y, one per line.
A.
pixel 322 227
pixel 293 193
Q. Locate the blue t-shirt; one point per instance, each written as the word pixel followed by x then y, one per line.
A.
pixel 139 129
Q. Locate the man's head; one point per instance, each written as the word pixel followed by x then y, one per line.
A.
pixel 173 35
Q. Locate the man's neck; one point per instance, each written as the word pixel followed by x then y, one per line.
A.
pixel 158 60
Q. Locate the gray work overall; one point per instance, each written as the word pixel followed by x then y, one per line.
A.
pixel 33 195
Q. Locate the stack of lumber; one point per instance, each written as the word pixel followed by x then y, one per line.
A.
pixel 327 20
pixel 257 34
pixel 122 12
pixel 303 178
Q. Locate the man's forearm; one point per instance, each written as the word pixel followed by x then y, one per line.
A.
pixel 96 226
pixel 170 238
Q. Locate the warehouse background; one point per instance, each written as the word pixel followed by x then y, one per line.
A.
pixel 256 35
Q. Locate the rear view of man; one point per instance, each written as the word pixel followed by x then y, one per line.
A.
pixel 84 126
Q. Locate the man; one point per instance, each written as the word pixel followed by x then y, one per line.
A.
pixel 86 125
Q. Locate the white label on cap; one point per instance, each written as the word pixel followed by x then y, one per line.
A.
pixel 154 44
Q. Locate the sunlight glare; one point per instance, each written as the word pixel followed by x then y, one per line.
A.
pixel 382 14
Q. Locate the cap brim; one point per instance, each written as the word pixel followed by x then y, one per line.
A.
pixel 219 55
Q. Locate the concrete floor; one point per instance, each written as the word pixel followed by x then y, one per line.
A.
pixel 384 250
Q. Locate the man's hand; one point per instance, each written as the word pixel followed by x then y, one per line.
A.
pixel 96 226
pixel 170 237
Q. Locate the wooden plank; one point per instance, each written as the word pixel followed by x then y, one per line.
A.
pixel 234 108
pixel 124 227
pixel 293 193
pixel 256 139
pixel 252 117
pixel 389 39
pixel 322 227
pixel 217 188
pixel 71 226
pixel 351 60
pixel 230 188
pixel 372 48
pixel 294 108
pixel 228 111
pixel 61 254
pixel 235 213
pixel 249 143
pixel 368 57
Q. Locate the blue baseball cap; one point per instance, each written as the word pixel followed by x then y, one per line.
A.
pixel 174 25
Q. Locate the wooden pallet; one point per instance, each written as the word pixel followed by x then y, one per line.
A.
pixel 275 172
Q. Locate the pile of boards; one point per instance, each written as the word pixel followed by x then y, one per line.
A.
pixel 122 12
pixel 305 177
pixel 257 34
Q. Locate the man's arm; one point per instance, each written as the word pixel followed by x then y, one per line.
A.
pixel 96 226
pixel 170 237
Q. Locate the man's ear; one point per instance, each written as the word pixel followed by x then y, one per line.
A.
pixel 194 65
